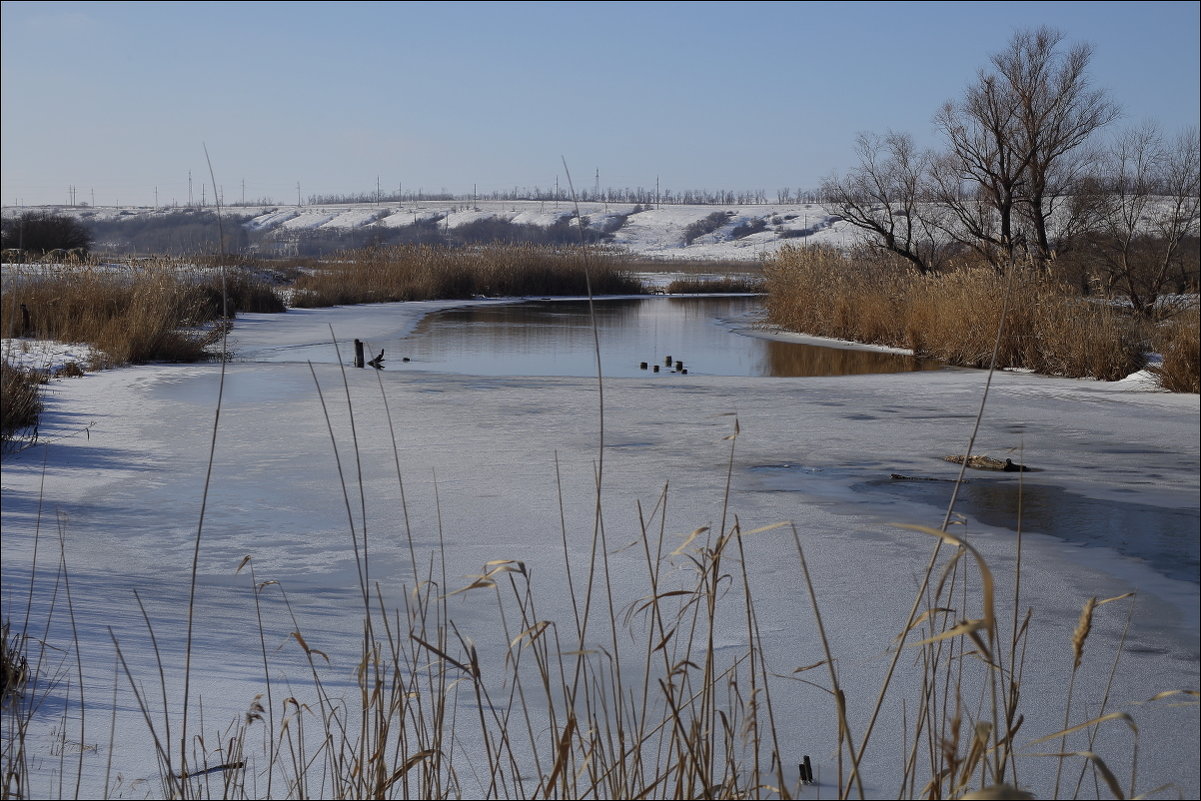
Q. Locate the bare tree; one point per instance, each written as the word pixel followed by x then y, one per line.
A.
pixel 886 197
pixel 1146 214
pixel 1058 112
pixel 979 180
pixel 1012 140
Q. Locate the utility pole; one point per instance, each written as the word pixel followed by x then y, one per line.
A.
pixel 156 197
pixel 189 189
pixel 657 192
pixel 93 197
pixel 243 191
pixel 203 196
pixel 377 190
pixel 298 203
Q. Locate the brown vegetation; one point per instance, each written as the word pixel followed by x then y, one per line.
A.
pixel 1179 342
pixel 729 283
pixel 20 403
pixel 952 317
pixel 425 272
pixel 152 310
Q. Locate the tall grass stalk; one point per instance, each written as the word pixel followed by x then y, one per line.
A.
pixel 204 496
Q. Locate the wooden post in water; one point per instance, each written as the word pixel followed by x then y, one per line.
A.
pixel 358 353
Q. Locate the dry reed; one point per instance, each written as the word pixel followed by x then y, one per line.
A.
pixel 952 317
pixel 731 283
pixel 20 402
pixel 427 272
pixel 136 312
pixel 1179 342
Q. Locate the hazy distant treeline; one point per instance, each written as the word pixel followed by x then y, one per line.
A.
pixel 631 195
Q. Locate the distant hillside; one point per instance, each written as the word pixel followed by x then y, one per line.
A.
pixel 695 232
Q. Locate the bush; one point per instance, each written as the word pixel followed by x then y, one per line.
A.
pixel 43 231
pixel 705 225
pixel 749 227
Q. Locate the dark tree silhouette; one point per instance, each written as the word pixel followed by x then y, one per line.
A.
pixel 43 231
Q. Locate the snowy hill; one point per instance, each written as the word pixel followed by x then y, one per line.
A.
pixel 691 232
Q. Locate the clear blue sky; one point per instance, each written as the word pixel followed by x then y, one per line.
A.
pixel 118 98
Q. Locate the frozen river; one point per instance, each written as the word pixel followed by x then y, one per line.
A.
pixel 503 466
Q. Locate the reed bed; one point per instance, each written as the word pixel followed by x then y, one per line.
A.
pixel 727 284
pixel 1179 342
pixel 953 317
pixel 20 403
pixel 134 312
pixel 433 272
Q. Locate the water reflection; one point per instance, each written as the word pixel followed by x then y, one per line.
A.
pixel 795 359
pixel 555 338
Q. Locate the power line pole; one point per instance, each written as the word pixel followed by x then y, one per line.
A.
pixel 298 203
pixel 243 191
pixel 189 189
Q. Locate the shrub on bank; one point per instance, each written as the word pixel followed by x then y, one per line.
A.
pixel 952 317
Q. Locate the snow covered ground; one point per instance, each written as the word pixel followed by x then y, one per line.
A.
pixel 654 232
pixel 120 471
